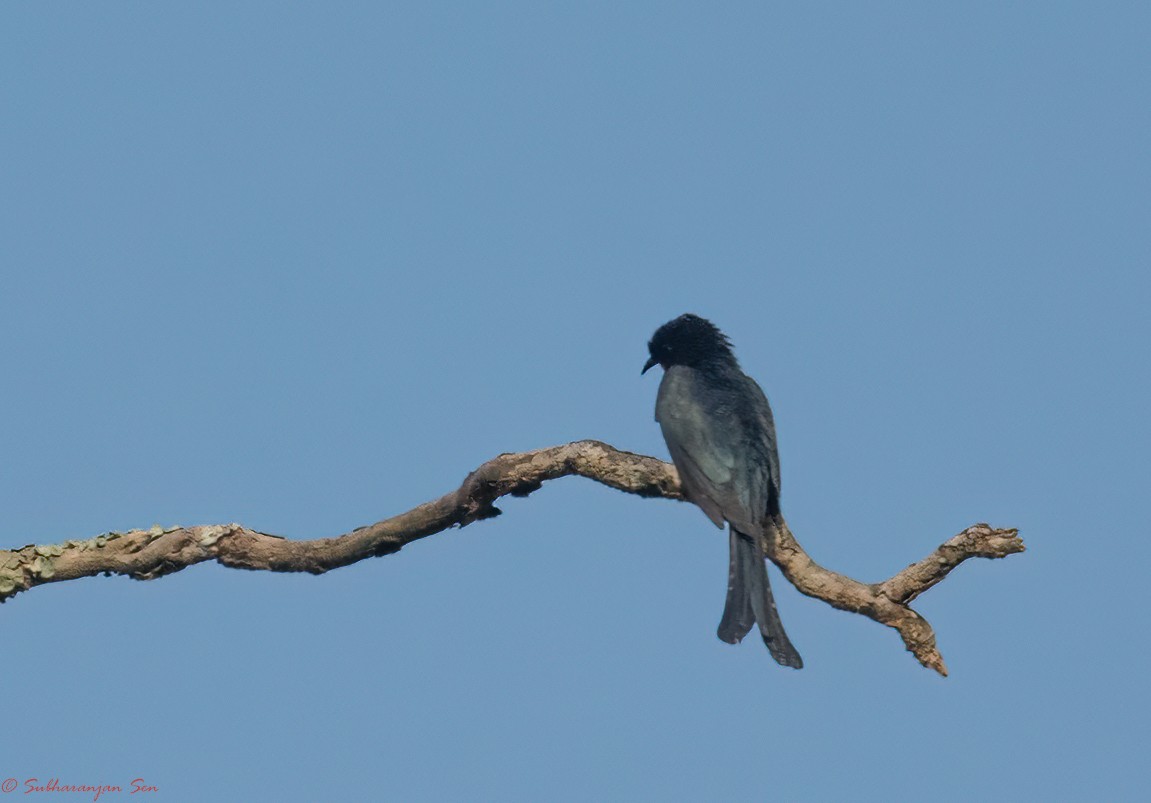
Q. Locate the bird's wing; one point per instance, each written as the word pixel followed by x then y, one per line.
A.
pixel 769 451
pixel 718 463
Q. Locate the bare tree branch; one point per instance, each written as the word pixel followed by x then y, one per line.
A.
pixel 148 554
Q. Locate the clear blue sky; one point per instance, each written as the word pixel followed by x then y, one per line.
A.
pixel 304 266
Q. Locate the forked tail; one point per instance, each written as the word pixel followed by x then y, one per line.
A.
pixel 749 601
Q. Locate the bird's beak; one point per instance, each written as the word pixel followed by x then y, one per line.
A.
pixel 647 366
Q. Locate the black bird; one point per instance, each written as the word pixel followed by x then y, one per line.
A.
pixel 721 435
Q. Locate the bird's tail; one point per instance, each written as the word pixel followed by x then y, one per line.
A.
pixel 749 602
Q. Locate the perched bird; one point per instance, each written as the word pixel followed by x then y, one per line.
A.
pixel 721 435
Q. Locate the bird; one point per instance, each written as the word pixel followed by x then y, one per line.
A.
pixel 720 432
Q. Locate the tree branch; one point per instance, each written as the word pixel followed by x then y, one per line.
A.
pixel 148 554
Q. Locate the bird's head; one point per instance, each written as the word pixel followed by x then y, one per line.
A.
pixel 688 340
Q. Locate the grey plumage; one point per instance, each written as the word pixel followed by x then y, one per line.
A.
pixel 720 432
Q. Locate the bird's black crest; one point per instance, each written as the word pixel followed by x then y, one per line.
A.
pixel 689 340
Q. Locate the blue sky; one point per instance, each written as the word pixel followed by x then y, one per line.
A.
pixel 304 266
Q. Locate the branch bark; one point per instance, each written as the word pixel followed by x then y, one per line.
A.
pixel 148 554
